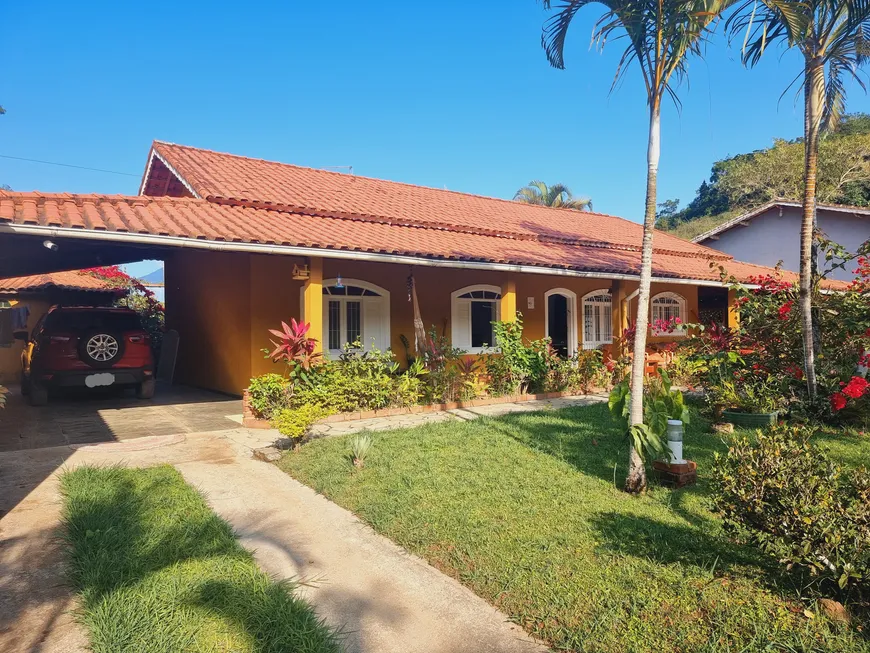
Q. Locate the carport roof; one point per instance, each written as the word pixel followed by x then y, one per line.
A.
pixel 221 224
pixel 71 280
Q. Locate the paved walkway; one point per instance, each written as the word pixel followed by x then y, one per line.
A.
pixel 416 419
pixel 385 599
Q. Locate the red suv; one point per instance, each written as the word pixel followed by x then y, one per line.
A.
pixel 86 347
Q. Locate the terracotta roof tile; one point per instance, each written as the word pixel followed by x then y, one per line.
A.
pixel 72 280
pixel 201 219
pixel 227 178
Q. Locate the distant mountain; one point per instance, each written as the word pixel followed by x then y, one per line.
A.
pixel 153 277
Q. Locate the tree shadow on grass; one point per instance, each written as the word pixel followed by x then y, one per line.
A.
pixel 666 543
pixel 587 438
pixel 669 543
pixel 133 536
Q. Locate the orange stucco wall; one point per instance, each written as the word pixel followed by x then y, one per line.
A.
pixel 208 301
pixel 223 304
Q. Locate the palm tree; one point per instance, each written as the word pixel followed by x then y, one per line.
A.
pixel 661 35
pixel 558 195
pixel 834 38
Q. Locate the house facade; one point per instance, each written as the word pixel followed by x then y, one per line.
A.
pixel 771 233
pixel 248 243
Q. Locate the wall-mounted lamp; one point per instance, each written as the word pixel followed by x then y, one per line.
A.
pixel 338 283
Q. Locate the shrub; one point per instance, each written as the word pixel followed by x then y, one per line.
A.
pixel 445 371
pixel 359 449
pixel 661 402
pixel 783 494
pixel 268 393
pixel 294 423
pixel 759 366
pixel 295 348
pixel 587 371
pixel 358 380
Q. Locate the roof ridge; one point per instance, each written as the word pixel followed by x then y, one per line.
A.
pixel 389 181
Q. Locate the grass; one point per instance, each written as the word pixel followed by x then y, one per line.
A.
pixel 158 571
pixel 523 510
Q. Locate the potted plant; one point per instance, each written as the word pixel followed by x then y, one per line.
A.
pixel 750 400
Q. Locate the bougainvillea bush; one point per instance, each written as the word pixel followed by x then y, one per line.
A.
pixel 132 294
pixel 758 367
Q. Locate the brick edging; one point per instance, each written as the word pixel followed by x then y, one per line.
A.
pixel 252 422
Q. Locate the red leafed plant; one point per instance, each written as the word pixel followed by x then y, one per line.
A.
pixel 294 347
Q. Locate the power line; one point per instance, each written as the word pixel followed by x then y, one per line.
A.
pixel 67 165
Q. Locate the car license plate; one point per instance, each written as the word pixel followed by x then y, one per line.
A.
pixel 98 380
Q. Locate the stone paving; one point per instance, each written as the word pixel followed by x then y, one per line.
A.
pixel 77 418
pixel 418 419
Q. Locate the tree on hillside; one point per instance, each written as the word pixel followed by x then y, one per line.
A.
pixel 660 37
pixel 832 36
pixel 557 195
pixel 748 180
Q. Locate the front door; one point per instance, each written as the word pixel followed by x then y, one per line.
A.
pixel 557 323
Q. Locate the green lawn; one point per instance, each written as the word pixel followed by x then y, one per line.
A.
pixel 523 510
pixel 158 571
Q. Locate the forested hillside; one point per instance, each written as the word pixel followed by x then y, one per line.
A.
pixel 745 181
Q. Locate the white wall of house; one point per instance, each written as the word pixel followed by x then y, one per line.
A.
pixel 774 236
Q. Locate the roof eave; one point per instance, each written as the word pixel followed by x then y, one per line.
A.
pixel 293 250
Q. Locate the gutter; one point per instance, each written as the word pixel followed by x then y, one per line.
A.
pixel 345 254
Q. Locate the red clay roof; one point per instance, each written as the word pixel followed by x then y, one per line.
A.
pixel 72 280
pixel 205 220
pixel 239 180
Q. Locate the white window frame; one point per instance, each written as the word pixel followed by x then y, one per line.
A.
pixel 588 341
pixel 571 296
pixel 383 342
pixel 458 335
pixel 681 304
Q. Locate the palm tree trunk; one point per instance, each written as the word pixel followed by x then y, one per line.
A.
pixel 636 479
pixel 814 92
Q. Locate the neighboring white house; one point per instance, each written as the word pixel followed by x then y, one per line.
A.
pixel 771 233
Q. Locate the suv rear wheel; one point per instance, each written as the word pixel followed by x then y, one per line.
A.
pixel 101 349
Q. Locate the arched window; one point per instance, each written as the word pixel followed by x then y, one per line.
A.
pixel 473 310
pixel 668 308
pixel 355 310
pixel 597 319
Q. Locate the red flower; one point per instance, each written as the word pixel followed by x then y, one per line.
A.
pixel 785 309
pixel 795 371
pixel 838 401
pixel 856 387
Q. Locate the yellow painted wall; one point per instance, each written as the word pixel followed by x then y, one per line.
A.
pixel 223 305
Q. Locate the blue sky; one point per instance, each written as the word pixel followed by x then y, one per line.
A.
pixel 449 94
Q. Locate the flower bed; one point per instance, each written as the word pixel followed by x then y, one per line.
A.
pixel 366 383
